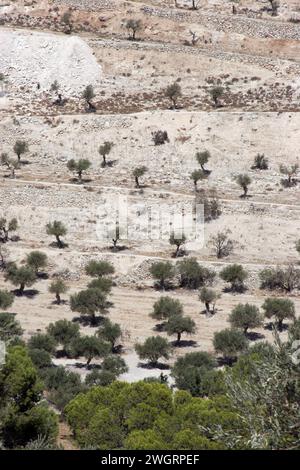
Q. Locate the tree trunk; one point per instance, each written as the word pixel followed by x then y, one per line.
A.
pixel 137 183
pixel 59 242
pixel 246 330
pixel 19 157
pixel 88 361
pixel 80 176
pixel 22 287
pixel 177 251
pixel 178 338
pixel 280 325
pixel 104 160
pixel 207 308
pixel 58 299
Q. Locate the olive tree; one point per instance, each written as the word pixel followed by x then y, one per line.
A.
pixel 105 150
pixel 63 332
pixel 88 94
pixel 163 272
pixel 178 324
pixel 6 227
pixel 197 175
pixel 222 244
pixel 88 302
pixel 280 309
pixel 235 274
pixel 10 163
pixel 165 308
pixel 110 332
pixel 260 162
pixel 216 93
pixel 289 171
pixel 193 275
pixel 275 4
pixel 99 269
pixel 173 93
pixel 79 167
pixel 153 349
pixel 178 241
pixel 57 229
pixel 6 299
pixel 20 147
pixel 58 287
pixel 208 297
pixel 36 260
pixel 10 328
pixel 230 343
pixel 202 158
pixel 137 173
pixel 23 276
pixel 245 316
pixel 133 25
pixel 243 181
pixel 89 347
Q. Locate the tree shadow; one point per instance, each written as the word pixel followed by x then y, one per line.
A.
pixel 82 181
pixel 109 163
pixel 184 343
pixel 116 249
pixel 235 290
pixel 160 326
pixel 89 320
pixel 28 293
pixel 153 365
pixel 167 287
pixel 253 336
pixel 226 361
pixel 271 326
pixel 289 184
pixel 56 245
pixel 62 302
pixel 42 276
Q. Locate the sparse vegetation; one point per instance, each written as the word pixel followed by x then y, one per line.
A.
pixel 79 167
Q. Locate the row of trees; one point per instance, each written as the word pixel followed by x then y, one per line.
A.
pixel 192 275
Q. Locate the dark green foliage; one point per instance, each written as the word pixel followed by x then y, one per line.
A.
pixel 286 279
pixel 99 268
pixel 165 308
pixel 102 283
pixel 40 358
pixel 137 173
pixel 57 229
pixel 10 328
pixel 208 297
pixel 230 343
pixel 243 180
pixel 260 162
pixel 178 241
pixel 202 158
pixel 153 349
pixel 79 166
pixel 216 94
pixel 281 309
pixel 235 274
pixel 42 341
pixel 134 25
pixel 178 324
pixel 105 150
pixel 195 372
pixel 20 147
pixel 110 332
pixel 63 332
pixel 245 316
pixel 145 415
pixel 163 272
pixel 173 92
pixel 89 302
pixel 23 276
pixel 89 347
pixel 58 287
pixel 6 227
pixel 23 418
pixel 36 260
pixel 6 299
pixel 62 385
pixel 192 275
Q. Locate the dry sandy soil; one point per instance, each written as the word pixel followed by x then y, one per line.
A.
pixel 254 56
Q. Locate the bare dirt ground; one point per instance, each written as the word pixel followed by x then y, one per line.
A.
pixel 254 56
